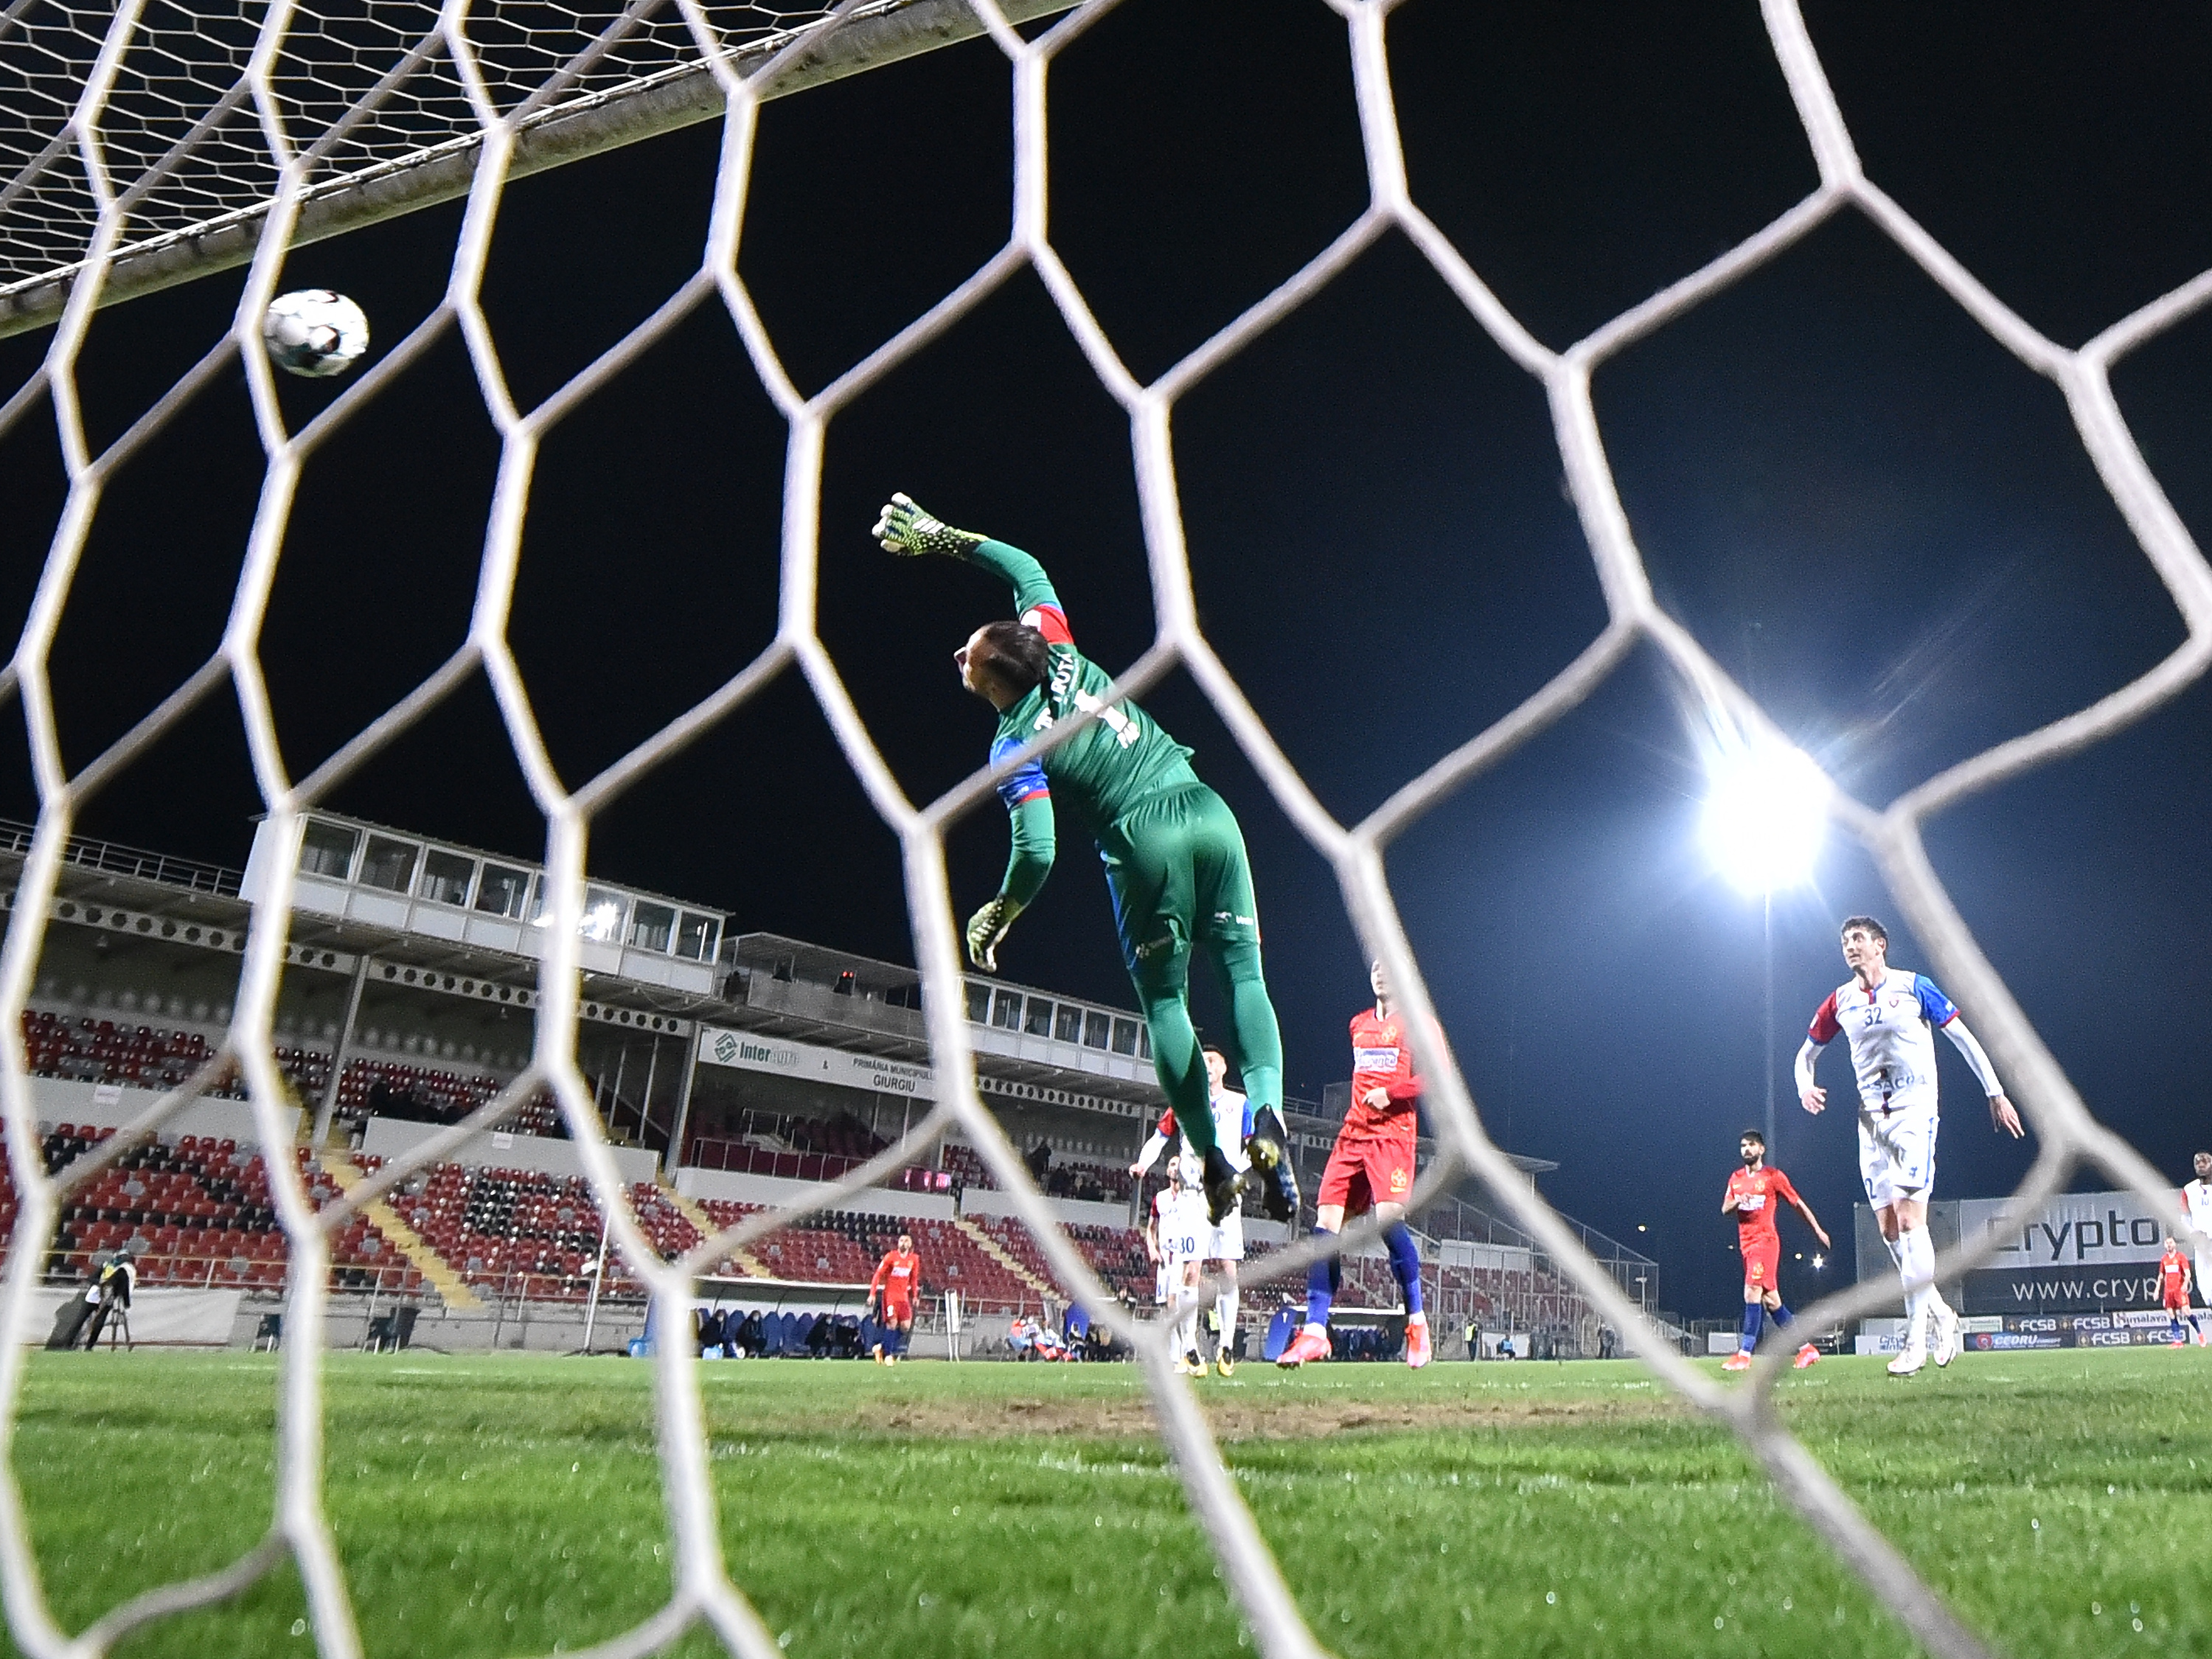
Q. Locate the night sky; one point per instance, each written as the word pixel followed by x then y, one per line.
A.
pixel 1866 510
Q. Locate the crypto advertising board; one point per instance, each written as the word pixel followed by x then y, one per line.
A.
pixel 2077 1253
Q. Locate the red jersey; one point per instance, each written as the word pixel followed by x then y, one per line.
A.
pixel 1381 1058
pixel 1764 1189
pixel 2172 1271
pixel 898 1275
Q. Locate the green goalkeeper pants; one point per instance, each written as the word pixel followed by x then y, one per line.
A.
pixel 1176 868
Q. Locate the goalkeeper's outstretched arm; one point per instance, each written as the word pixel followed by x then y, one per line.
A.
pixel 906 528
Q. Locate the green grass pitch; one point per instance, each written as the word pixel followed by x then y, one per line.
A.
pixel 511 1505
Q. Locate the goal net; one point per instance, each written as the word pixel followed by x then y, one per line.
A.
pixel 156 143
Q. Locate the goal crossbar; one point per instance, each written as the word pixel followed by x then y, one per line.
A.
pixel 589 125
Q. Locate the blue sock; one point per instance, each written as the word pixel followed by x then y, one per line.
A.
pixel 1321 1281
pixel 1751 1313
pixel 1781 1316
pixel 1405 1263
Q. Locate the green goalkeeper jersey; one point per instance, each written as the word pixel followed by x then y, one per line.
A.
pixel 1123 757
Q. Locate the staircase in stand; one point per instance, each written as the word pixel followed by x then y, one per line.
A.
pixel 695 1212
pixel 433 1266
pixel 998 1253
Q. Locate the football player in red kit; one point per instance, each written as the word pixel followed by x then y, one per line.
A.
pixel 1370 1168
pixel 2173 1293
pixel 1752 1194
pixel 897 1284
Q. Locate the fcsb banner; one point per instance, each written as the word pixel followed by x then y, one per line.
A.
pixel 2078 1253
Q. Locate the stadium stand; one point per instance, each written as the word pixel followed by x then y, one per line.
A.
pixel 516 1231
pixel 82 1049
pixel 790 1148
pixel 1117 1255
pixel 196 1211
pixel 445 1022
pixel 968 1167
pixel 842 1247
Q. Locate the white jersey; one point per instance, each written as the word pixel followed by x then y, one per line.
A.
pixel 2197 1202
pixel 1892 1029
pixel 1179 1223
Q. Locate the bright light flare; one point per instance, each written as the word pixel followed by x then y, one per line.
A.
pixel 1764 817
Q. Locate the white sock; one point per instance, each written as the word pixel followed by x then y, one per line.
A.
pixel 1916 1261
pixel 1224 1308
pixel 1936 1304
pixel 1187 1329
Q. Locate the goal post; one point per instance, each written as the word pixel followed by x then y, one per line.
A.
pixel 601 119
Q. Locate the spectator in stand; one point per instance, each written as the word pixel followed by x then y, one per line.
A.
pixel 1039 1160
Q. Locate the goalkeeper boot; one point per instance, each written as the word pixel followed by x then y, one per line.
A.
pixel 1270 1153
pixel 1222 1181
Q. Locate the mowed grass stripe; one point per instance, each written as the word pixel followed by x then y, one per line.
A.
pixel 513 1505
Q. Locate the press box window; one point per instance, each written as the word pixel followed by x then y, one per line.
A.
pixel 1008 1014
pixel 445 878
pixel 603 916
pixel 503 892
pixel 979 1001
pixel 389 864
pixel 1069 1028
pixel 327 850
pixel 695 937
pixel 1039 1023
pixel 652 927
pixel 1125 1037
pixel 1097 1031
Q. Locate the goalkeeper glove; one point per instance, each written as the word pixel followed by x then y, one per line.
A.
pixel 987 927
pixel 908 529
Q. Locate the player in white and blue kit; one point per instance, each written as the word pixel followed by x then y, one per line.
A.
pixel 1891 1019
pixel 2196 1205
pixel 1222 1247
pixel 1174 1236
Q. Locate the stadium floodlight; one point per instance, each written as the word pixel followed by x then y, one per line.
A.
pixel 1764 811
pixel 1764 815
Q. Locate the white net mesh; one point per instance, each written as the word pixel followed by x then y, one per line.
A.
pixel 354 86
pixel 103 73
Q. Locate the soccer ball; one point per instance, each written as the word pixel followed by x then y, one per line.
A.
pixel 314 332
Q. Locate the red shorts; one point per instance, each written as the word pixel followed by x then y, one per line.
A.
pixel 1762 1263
pixel 896 1312
pixel 2177 1298
pixel 1369 1169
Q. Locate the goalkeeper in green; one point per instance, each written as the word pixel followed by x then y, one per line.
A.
pixel 1175 858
